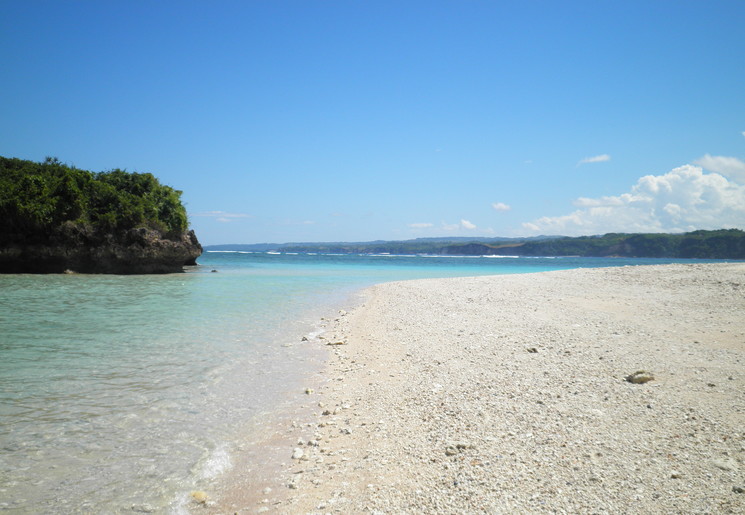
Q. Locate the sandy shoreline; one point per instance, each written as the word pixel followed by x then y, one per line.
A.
pixel 506 394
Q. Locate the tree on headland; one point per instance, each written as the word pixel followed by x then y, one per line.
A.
pixel 37 199
pixel 52 214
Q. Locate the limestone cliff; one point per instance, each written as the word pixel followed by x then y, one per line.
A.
pixel 138 251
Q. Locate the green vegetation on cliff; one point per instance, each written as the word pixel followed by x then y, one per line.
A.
pixel 42 200
pixel 55 217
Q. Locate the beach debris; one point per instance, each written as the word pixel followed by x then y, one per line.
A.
pixel 199 496
pixel 640 377
pixel 214 271
pixel 337 343
pixel 297 453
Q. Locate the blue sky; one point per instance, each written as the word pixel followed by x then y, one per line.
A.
pixel 361 120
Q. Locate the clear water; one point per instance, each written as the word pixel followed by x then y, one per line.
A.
pixel 126 391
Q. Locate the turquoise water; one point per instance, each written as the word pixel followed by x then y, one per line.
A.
pixel 127 391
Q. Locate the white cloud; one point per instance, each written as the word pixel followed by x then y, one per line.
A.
pixel 500 206
pixel 421 225
pixel 223 216
pixel 594 159
pixel 684 199
pixel 464 224
pixel 728 166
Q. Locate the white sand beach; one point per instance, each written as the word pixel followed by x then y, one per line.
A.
pixel 508 394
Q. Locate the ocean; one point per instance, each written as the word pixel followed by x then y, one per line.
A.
pixel 122 393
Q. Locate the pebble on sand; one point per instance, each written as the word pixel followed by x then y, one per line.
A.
pixel 640 377
pixel 199 496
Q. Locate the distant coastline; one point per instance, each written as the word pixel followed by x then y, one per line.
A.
pixel 718 244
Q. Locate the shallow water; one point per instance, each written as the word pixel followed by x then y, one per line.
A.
pixel 127 391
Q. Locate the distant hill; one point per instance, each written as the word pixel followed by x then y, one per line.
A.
pixel 719 244
pixel 414 246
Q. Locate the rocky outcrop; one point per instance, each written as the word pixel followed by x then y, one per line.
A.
pixel 137 251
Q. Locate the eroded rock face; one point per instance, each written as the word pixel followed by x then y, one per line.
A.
pixel 138 251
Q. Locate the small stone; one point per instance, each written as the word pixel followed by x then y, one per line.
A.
pixel 266 490
pixel 336 343
pixel 304 339
pixel 308 391
pixel 297 453
pixel 199 496
pixel 675 475
pixel 640 377
pixel 450 451
pixel 738 489
pixel 532 350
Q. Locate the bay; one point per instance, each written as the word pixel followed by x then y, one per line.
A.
pixel 127 392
